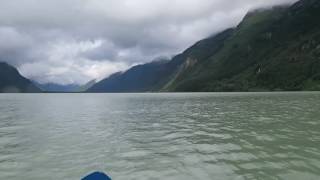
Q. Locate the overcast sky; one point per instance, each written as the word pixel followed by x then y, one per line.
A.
pixel 74 41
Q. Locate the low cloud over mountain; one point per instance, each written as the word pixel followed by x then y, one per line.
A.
pixel 74 41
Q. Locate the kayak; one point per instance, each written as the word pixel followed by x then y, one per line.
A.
pixel 97 176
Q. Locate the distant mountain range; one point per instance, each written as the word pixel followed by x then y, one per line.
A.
pixel 68 88
pixel 52 87
pixel 11 81
pixel 275 49
pixel 271 49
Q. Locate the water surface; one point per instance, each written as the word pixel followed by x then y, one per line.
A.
pixel 160 136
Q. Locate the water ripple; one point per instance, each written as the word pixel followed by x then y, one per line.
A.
pixel 161 136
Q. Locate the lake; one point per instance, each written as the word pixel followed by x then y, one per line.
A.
pixel 203 136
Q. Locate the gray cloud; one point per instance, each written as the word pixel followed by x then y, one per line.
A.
pixel 74 41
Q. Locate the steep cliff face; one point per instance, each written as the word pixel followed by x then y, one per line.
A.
pixel 12 82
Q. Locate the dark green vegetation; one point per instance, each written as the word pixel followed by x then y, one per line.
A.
pixel 270 50
pixel 12 82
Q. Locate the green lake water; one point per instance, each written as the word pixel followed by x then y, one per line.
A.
pixel 196 136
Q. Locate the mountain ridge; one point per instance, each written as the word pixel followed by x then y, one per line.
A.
pixel 11 81
pixel 270 50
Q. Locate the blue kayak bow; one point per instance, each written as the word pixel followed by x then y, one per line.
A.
pixel 97 176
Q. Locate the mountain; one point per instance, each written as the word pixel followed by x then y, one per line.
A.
pixel 52 87
pixel 271 49
pixel 86 86
pixel 140 78
pixel 158 75
pixel 11 81
pixel 275 49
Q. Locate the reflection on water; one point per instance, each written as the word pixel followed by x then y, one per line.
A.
pixel 153 136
